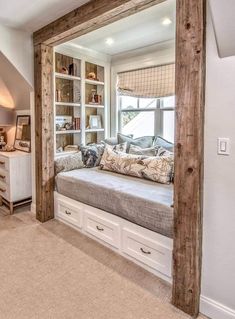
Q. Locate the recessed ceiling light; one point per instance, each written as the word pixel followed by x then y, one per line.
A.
pixel 109 41
pixel 166 21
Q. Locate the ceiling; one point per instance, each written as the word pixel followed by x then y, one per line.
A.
pixel 224 25
pixel 139 30
pixel 31 15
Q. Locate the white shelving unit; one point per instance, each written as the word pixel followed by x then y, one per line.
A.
pixel 74 91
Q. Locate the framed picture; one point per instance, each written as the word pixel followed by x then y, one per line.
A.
pixel 95 121
pixel 23 133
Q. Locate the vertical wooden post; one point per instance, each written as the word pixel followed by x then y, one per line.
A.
pixel 44 132
pixel 190 86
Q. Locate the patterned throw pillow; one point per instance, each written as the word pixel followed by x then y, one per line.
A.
pixel 158 169
pixel 118 148
pixel 151 151
pixel 68 162
pixel 91 154
pixel 143 142
pixel 159 141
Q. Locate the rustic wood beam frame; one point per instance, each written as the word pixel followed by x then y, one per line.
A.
pixel 190 89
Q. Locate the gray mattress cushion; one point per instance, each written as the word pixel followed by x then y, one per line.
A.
pixel 140 201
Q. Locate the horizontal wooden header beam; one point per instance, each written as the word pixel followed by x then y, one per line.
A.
pixel 89 17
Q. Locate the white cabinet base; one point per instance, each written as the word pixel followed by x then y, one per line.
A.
pixel 146 248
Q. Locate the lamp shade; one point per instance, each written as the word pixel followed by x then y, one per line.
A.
pixel 7 116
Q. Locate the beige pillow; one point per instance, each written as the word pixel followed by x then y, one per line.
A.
pixel 157 168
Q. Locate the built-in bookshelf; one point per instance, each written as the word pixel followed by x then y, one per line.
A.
pixel 80 102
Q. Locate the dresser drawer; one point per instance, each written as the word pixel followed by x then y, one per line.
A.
pixel 4 191
pixel 4 163
pixel 4 176
pixel 102 228
pixel 69 213
pixel 147 251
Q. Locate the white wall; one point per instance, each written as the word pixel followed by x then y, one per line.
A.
pixel 17 46
pixel 218 275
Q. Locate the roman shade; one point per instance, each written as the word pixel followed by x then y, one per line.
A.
pixel 152 82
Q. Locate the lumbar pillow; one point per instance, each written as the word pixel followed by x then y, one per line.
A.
pixel 91 154
pixel 158 169
pixel 68 162
pixel 143 142
pixel 159 141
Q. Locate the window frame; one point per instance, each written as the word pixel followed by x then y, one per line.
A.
pixel 158 113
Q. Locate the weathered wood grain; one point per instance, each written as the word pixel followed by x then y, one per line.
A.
pixel 44 131
pixel 89 17
pixel 188 186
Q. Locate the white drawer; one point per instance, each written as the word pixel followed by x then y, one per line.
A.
pixel 4 191
pixel 4 163
pixel 147 251
pixel 4 176
pixel 69 213
pixel 106 230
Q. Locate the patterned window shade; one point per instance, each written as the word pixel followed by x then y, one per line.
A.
pixel 150 82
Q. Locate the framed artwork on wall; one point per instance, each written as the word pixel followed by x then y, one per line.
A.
pixel 23 133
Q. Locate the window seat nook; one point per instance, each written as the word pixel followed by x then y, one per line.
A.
pixel 140 201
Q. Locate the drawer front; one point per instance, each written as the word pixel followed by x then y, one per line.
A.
pixel 102 228
pixel 147 251
pixel 4 163
pixel 69 213
pixel 4 176
pixel 4 191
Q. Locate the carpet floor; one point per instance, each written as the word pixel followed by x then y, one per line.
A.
pixel 50 271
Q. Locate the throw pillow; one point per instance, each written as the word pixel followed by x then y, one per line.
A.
pixel 151 151
pixel 119 147
pixel 114 140
pixel 158 169
pixel 143 142
pixel 68 162
pixel 159 141
pixel 91 154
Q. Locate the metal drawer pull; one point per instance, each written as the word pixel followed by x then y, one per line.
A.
pixel 145 252
pixel 2 163
pixel 2 176
pixel 2 190
pixel 99 229
pixel 68 213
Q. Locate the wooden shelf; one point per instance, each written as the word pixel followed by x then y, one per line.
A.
pixel 91 130
pixel 93 82
pixel 67 76
pixel 95 106
pixel 68 132
pixel 67 104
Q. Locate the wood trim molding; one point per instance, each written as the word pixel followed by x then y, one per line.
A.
pixel 44 131
pixel 89 17
pixel 190 69
pixel 188 185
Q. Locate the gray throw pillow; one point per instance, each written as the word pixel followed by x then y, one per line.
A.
pixel 68 162
pixel 114 140
pixel 159 141
pixel 143 142
pixel 91 154
pixel 151 151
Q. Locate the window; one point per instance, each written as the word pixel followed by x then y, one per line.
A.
pixel 147 116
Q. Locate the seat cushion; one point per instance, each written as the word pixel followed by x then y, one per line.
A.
pixel 142 202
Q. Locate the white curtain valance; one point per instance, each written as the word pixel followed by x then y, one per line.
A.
pixel 153 82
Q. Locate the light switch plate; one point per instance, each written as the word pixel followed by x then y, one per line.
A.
pixel 223 146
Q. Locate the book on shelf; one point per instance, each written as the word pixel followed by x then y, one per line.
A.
pixel 77 123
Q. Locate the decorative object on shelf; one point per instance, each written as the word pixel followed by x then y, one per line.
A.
pixel 77 123
pixel 58 95
pixel 64 70
pixel 98 99
pixel 3 138
pixel 93 93
pixel 71 148
pixel 94 121
pixel 23 133
pixel 64 123
pixel 92 76
pixel 73 69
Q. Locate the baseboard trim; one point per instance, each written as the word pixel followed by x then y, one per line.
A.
pixel 33 208
pixel 215 310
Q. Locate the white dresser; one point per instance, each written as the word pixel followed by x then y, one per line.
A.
pixel 15 178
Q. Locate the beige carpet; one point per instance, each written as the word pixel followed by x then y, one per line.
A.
pixel 52 271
